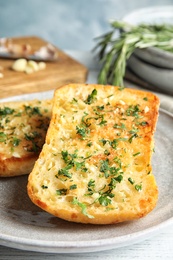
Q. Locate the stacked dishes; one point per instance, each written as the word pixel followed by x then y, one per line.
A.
pixel 153 65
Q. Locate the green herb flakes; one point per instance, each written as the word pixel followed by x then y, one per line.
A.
pixel 16 141
pixel 91 98
pixel 131 180
pixel 138 187
pixel 61 192
pixel 145 98
pixel 82 206
pixel 104 201
pixel 3 137
pixel 44 187
pixel 73 187
pixel 135 154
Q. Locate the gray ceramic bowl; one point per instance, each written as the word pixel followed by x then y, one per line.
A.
pixel 156 57
pixel 152 64
pixel 161 79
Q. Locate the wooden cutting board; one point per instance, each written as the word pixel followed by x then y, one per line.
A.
pixel 64 70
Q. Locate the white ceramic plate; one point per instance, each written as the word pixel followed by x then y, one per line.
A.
pixel 25 226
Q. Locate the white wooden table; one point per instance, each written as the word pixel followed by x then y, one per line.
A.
pixel 157 247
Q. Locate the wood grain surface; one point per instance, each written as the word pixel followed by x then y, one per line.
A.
pixel 64 70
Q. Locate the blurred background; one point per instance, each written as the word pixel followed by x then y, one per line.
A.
pixel 69 24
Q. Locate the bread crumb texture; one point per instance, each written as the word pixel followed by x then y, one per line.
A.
pixel 95 166
pixel 23 127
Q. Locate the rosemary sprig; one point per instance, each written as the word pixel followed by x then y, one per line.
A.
pixel 113 51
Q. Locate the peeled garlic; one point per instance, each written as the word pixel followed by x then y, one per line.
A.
pixel 19 65
pixel 28 67
pixel 29 70
pixel 33 65
pixel 41 65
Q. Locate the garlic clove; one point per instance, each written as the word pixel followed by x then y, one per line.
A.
pixel 19 65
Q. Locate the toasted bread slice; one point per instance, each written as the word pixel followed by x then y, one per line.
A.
pixel 95 166
pixel 23 127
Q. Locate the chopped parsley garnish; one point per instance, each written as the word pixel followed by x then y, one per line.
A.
pixel 73 187
pixel 6 111
pixel 90 99
pixel 71 160
pixel 119 178
pixel 31 136
pixel 16 141
pixel 82 130
pixel 91 187
pixel 104 167
pixel 19 114
pixel 133 110
pixel 61 192
pixel 132 137
pixel 122 126
pixel 102 121
pixel 74 101
pixel 104 141
pixel 89 144
pixel 100 107
pixel 118 161
pixel 135 154
pixel 30 111
pixel 113 143
pixel 143 123
pixel 3 137
pixel 131 180
pixel 85 122
pixel 44 187
pixel 65 172
pixel 107 169
pixel 138 187
pixel 106 152
pixel 80 166
pixel 91 183
pixel 65 155
pixel 82 206
pixel 104 200
pixel 133 131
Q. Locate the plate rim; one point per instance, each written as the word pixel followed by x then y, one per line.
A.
pixel 79 246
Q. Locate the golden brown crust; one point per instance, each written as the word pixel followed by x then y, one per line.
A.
pixel 95 166
pixel 23 126
pixel 17 166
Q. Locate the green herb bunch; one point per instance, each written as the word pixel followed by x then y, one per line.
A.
pixel 113 51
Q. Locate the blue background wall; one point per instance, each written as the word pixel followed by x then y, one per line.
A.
pixel 69 24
